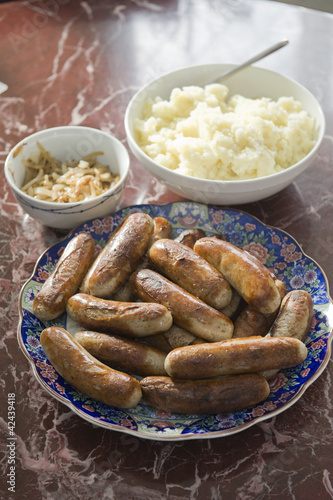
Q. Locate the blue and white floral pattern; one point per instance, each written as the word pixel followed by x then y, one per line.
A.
pixel 274 248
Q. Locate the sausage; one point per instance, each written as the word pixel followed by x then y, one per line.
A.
pixel 66 277
pixel 243 271
pixel 295 316
pixel 293 320
pixel 162 229
pixel 188 311
pixel 190 271
pixel 132 319
pixel 123 354
pixel 235 356
pixel 122 253
pixel 87 374
pixel 188 237
pixel 125 293
pixel 251 322
pixel 282 289
pixel 172 338
pixel 235 305
pixel 228 394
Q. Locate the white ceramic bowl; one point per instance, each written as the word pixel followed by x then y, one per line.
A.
pixel 69 143
pixel 251 82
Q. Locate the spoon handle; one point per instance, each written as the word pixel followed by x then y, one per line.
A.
pixel 254 59
pixel 3 87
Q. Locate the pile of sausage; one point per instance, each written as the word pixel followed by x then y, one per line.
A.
pixel 188 325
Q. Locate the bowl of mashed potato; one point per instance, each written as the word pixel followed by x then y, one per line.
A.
pixel 237 141
pixel 64 176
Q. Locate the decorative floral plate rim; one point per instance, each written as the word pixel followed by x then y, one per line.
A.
pixel 274 247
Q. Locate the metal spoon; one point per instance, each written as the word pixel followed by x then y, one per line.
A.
pixel 263 54
pixel 3 87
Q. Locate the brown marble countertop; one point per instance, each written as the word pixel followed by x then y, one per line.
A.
pixel 79 63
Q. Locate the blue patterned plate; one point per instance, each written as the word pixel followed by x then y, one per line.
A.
pixel 275 248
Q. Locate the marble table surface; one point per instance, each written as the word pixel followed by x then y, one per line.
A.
pixel 78 63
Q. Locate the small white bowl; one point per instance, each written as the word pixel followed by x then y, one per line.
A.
pixel 69 143
pixel 252 82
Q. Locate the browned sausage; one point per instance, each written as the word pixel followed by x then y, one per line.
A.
pixel 243 271
pixel 295 316
pixel 123 354
pixel 294 319
pixel 132 319
pixel 190 271
pixel 66 277
pixel 188 237
pixel 122 253
pixel 188 311
pixel 125 293
pixel 162 229
pixel 87 374
pixel 172 338
pixel 234 356
pixel 251 322
pixel 235 306
pixel 228 394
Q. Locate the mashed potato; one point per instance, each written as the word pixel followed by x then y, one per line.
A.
pixel 200 133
